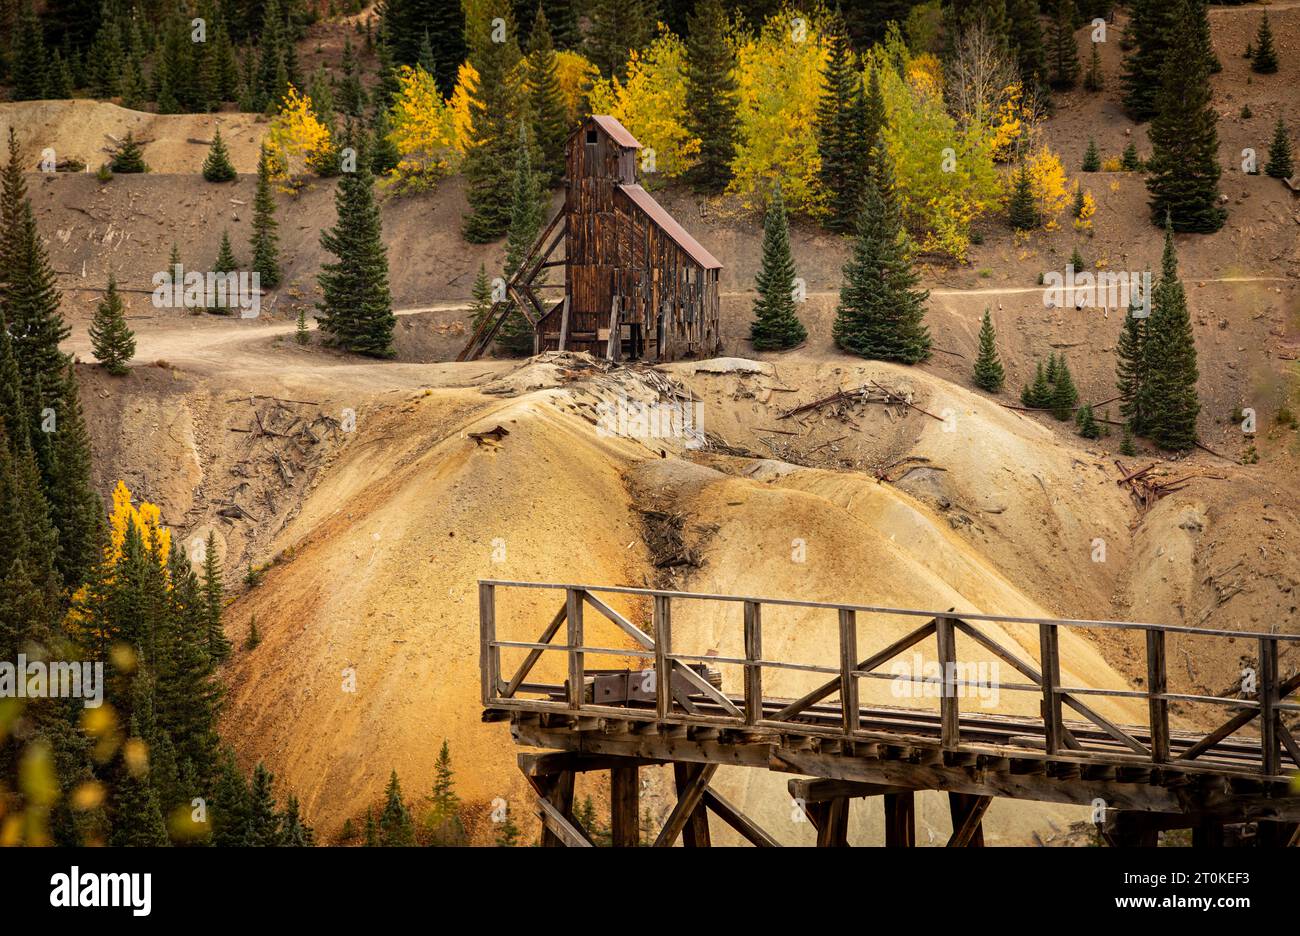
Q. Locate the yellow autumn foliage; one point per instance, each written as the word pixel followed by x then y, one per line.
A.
pixel 652 105
pixel 575 75
pixel 779 79
pixel 423 126
pixel 1087 210
pixel 1047 176
pixel 297 139
pixel 461 121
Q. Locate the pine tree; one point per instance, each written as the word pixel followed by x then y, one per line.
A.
pixel 383 152
pixel 1064 51
pixel 30 62
pixel 1130 161
pixel 482 294
pixel 214 601
pixel 111 340
pixel 231 805
pixel 1150 26
pixel 988 366
pixel 272 73
pixel 1264 60
pixel 1280 164
pixel 351 93
pixel 217 167
pixel 226 262
pixel 396 830
pixel 1022 210
pixel 1184 165
pixel 493 126
pixel 1026 33
pixel 1086 423
pixel 711 95
pixel 295 833
pixel 1094 80
pixel 445 828
pixel 128 157
pixel 1204 37
pixel 264 245
pixel 1128 367
pixel 356 306
pixel 776 325
pixel 1076 259
pixel 1037 395
pixel 841 134
pixel 1091 157
pixel 60 78
pixel 264 821
pixel 174 259
pixel 302 334
pixel 526 217
pixel 616 26
pixel 881 312
pixel 1168 401
pixel 1064 393
pixel 546 106
pixel 508 834
pixel 1126 446
pixel 137 817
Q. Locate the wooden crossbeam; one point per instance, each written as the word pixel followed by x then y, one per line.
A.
pixel 1235 723
pixel 733 817
pixel 640 636
pixel 535 654
pixel 870 663
pixel 704 686
pixel 688 797
pixel 559 825
pixel 967 818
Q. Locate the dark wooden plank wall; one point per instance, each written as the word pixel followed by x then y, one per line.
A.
pixel 613 249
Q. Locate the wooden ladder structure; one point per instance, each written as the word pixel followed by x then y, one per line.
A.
pixel 521 292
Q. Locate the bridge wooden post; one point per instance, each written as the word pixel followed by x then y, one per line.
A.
pixel 1049 651
pixel 900 819
pixel 949 712
pixel 753 670
pixel 663 624
pixel 831 820
pixel 489 656
pixel 967 812
pixel 556 789
pixel 848 663
pixel 624 806
pixel 1157 685
pixel 577 680
pixel 1268 700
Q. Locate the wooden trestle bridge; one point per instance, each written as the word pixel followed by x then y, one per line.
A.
pixel 1147 778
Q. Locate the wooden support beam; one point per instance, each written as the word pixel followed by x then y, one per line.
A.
pixel 831 819
pixel 967 819
pixel 624 806
pixel 489 657
pixel 555 802
pixel 692 780
pixel 577 679
pixel 900 819
pixel 640 636
pixel 949 712
pixel 553 762
pixel 1268 700
pixel 753 671
pixel 733 817
pixel 1050 654
pixel 663 623
pixel 849 709
pixel 1157 686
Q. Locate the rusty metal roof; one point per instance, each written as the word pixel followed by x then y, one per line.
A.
pixel 668 224
pixel 617 132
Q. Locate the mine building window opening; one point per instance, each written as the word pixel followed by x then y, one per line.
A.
pixel 591 137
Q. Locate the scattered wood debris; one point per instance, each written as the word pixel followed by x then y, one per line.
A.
pixel 1146 489
pixel 492 437
pixel 840 403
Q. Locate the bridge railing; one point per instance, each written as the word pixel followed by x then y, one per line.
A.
pixel 692 698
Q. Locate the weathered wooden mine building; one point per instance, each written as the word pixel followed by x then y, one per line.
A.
pixel 636 283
